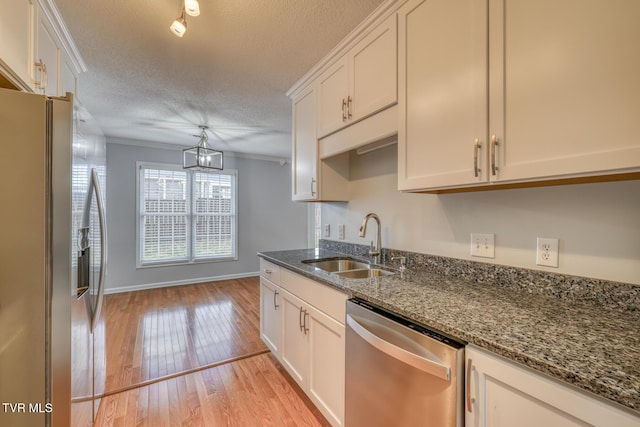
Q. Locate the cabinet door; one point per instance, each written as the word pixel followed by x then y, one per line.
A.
pixel 374 71
pixel 442 55
pixel 326 372
pixel 295 339
pixel 564 94
pixel 304 151
pixel 271 315
pixel 504 394
pixel 333 93
pixel 46 53
pixel 16 36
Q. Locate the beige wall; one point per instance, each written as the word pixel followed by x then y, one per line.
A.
pixel 598 224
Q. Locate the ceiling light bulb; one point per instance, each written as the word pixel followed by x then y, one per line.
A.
pixel 192 7
pixel 179 26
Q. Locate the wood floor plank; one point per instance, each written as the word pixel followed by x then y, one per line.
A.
pixel 159 332
pixel 167 331
pixel 248 392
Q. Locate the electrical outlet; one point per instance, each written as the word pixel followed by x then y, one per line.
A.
pixel 483 245
pixel 327 230
pixel 547 252
pixel 341 231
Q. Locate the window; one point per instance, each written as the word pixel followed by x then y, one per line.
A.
pixel 185 216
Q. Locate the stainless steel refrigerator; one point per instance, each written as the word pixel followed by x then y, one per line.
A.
pixel 52 261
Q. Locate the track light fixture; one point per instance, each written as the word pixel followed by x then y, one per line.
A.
pixel 188 7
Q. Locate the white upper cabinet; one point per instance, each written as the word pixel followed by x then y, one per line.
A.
pixel 373 77
pixel 16 41
pixel 314 179
pixel 565 97
pixel 546 91
pixel 304 155
pixel 35 52
pixel 47 56
pixel 360 83
pixel 333 90
pixel 443 93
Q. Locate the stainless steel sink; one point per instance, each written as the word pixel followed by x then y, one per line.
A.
pixel 364 273
pixel 348 268
pixel 337 264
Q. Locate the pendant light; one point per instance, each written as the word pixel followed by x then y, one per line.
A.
pixel 202 157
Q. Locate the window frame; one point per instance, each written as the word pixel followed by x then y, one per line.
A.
pixel 191 215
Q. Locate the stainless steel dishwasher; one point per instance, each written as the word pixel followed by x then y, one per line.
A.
pixel 399 373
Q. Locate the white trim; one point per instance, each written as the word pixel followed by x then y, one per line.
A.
pixel 157 285
pixel 180 147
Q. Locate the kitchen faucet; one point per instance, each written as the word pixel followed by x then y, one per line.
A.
pixel 376 251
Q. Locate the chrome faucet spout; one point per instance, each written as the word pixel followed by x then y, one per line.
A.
pixel 376 251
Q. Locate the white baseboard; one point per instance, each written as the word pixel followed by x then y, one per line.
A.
pixel 120 289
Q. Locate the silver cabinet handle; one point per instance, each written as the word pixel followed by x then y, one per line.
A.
pixel 103 248
pixel 39 83
pixel 494 144
pixel 46 78
pixel 313 181
pixel 275 302
pixel 468 385
pixel 268 271
pixel 305 317
pixel 349 103
pixel 300 320
pixel 426 365
pixel 344 110
pixel 476 148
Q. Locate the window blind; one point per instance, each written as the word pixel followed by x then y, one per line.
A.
pixel 185 216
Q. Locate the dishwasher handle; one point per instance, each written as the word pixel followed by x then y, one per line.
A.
pixel 429 366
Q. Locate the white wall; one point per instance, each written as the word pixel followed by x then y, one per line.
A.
pixel 598 224
pixel 267 219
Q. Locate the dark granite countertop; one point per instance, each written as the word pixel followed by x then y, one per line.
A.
pixel 592 347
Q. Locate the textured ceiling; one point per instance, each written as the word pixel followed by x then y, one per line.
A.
pixel 230 71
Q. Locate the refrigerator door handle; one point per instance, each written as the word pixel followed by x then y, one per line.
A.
pixel 95 183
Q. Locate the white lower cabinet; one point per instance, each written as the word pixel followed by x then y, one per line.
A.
pixel 270 315
pixel 501 393
pixel 295 334
pixel 302 322
pixel 326 365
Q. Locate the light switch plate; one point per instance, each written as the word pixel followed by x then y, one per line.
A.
pixel 327 230
pixel 483 245
pixel 341 231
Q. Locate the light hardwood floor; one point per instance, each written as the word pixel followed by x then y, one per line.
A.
pixel 159 332
pixel 154 336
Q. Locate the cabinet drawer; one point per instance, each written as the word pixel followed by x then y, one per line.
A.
pixel 322 297
pixel 270 271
